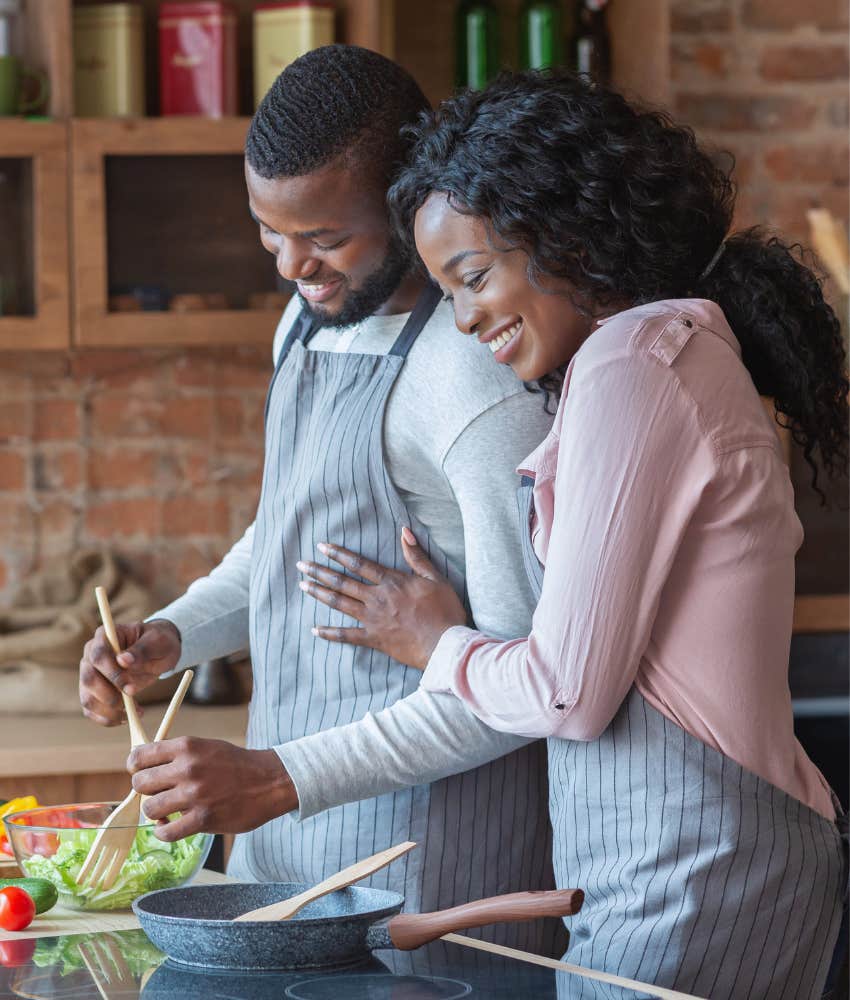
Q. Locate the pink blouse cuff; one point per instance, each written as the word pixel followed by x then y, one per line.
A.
pixel 440 671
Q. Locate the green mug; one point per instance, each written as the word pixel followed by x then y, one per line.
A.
pixel 13 80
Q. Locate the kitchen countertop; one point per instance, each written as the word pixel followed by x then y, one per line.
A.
pixel 63 921
pixel 68 744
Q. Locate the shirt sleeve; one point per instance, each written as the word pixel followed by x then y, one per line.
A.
pixel 480 469
pixel 421 738
pixel 632 464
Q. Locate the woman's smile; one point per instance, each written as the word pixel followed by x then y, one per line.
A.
pixel 533 327
pixel 504 343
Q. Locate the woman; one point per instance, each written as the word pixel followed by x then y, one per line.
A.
pixel 586 242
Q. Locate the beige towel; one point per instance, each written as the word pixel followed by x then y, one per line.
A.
pixel 43 632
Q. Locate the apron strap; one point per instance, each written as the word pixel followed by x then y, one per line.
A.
pixel 422 312
pixel 302 329
pixel 305 325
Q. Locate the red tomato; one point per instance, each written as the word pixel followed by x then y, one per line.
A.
pixel 5 846
pixel 16 908
pixel 16 953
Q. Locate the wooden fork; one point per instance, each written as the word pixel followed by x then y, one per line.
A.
pixel 107 966
pixel 113 842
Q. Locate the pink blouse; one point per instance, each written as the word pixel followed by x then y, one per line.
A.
pixel 665 520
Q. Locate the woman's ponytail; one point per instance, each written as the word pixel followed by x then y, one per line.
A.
pixel 790 340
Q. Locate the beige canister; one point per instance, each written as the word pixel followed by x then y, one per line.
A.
pixel 109 60
pixel 285 31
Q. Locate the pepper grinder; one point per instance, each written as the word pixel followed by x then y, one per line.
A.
pixel 215 683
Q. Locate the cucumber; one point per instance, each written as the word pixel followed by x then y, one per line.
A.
pixel 43 893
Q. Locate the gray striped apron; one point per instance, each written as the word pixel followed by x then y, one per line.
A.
pixel 699 875
pixel 480 833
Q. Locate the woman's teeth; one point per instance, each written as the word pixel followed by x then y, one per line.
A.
pixel 504 338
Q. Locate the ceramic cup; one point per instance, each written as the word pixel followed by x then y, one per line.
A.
pixel 14 80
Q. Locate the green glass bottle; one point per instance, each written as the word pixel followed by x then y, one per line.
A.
pixel 477 41
pixel 592 43
pixel 541 38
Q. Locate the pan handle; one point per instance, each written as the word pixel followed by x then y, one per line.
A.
pixel 411 930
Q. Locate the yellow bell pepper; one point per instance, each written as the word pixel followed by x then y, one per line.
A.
pixel 18 805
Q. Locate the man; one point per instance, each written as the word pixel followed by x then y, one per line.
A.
pixel 379 414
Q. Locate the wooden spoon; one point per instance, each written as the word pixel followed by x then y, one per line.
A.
pixel 661 992
pixel 138 737
pixel 287 908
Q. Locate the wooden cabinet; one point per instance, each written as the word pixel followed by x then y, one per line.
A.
pixel 159 204
pixel 34 247
pixel 97 220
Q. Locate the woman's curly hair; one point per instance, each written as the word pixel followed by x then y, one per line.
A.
pixel 624 204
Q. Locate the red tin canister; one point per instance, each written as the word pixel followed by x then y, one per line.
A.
pixel 197 59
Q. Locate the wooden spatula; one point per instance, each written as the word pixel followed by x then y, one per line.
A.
pixel 138 737
pixel 348 876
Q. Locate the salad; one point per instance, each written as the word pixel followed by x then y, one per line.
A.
pixel 151 864
pixel 64 952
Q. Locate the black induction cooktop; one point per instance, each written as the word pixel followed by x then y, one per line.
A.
pixel 120 965
pixel 125 964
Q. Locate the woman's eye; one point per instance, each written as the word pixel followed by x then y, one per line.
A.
pixel 474 280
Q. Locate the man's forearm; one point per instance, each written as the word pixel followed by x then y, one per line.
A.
pixel 419 739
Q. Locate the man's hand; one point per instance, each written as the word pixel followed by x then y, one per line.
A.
pixel 218 788
pixel 148 650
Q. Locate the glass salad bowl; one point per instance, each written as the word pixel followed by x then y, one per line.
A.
pixel 52 842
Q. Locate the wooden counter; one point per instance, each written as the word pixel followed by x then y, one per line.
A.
pixel 63 759
pixel 61 920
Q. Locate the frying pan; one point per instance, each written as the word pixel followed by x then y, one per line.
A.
pixel 194 925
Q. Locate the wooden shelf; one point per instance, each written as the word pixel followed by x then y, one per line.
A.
pixel 177 135
pixel 822 613
pixel 419 36
pixel 423 42
pixel 93 141
pixel 44 145
pixel 165 329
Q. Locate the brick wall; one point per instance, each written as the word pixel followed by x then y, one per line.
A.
pixel 154 454
pixel 768 80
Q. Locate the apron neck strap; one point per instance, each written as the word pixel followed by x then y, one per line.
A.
pixel 422 312
pixel 306 325
pixel 302 329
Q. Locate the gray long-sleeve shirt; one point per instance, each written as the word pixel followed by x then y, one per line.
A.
pixel 455 429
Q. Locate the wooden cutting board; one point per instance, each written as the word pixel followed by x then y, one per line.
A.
pixel 60 920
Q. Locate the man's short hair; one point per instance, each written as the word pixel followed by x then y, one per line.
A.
pixel 338 100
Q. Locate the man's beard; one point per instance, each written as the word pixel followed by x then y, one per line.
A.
pixel 372 294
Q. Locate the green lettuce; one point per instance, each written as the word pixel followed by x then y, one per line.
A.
pixel 151 864
pixel 64 952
